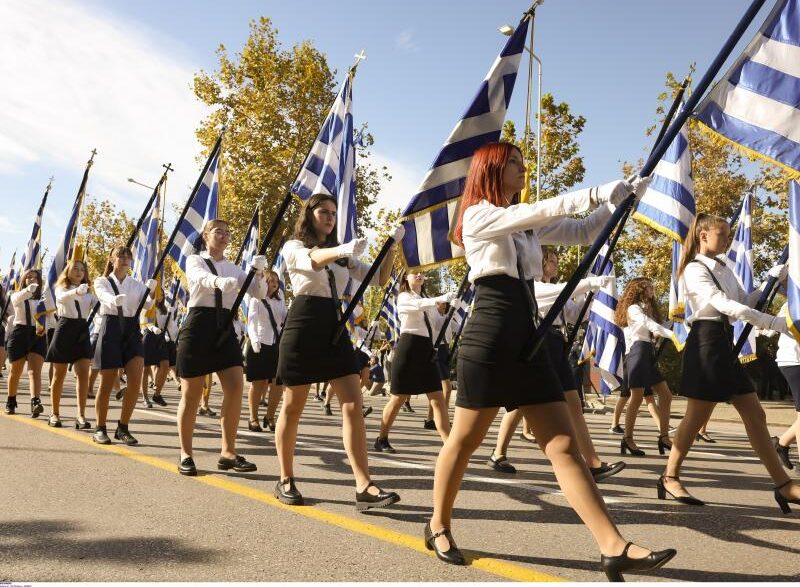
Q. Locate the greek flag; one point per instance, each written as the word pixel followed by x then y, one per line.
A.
pixel 65 247
pixel 756 105
pixel 204 207
pixel 679 310
pixel 668 205
pixel 389 313
pixel 145 247
pixel 793 280
pixel 249 250
pixel 462 312
pixel 740 260
pixel 605 341
pixel 279 267
pixel 430 215
pixel 32 257
pixel 330 166
pixel 10 279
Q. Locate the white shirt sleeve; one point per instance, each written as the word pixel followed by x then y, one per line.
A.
pixel 64 295
pixel 297 256
pixel 408 303
pixel 104 292
pixel 574 231
pixel 637 316
pixel 197 272
pixel 358 271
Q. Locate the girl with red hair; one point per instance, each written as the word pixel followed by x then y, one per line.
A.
pixel 502 241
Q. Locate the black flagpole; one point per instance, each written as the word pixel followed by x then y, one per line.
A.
pixel 647 169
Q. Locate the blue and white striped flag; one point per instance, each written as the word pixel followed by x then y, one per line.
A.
pixel 740 259
pixel 330 166
pixel 65 248
pixel 204 207
pixel 464 304
pixel 430 215
pixel 145 246
pixel 605 340
pixel 756 105
pixel 793 280
pixel 279 267
pixel 679 309
pixel 389 312
pixel 32 257
pixel 249 250
pixel 668 205
pixel 10 279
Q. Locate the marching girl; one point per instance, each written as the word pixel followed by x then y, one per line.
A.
pixel 214 283
pixel 119 340
pixel 556 341
pixel 637 313
pixel 711 372
pixel 265 318
pixel 318 269
pixel 156 354
pixel 70 342
pixel 415 370
pixel 3 318
pixel 442 359
pixel 25 343
pixel 788 359
pixel 502 245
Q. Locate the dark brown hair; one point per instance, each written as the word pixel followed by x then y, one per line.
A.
pixel 304 227
pixel 38 274
pixel 117 251
pixel 276 295
pixel 404 283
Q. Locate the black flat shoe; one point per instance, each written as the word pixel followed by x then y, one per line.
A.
pixel 267 424
pixel 452 555
pixel 624 446
pixel 120 393
pixel 187 467
pixel 366 411
pixel 429 425
pixel 614 566
pixel 11 405
pixel 365 500
pixel 100 436
pixel 288 496
pixel 36 407
pixel 382 445
pixel 253 426
pixel 705 438
pixel 685 499
pixel 783 502
pixel 157 399
pixel 327 409
pixel 239 464
pixel 783 452
pixel 606 470
pixel 123 435
pixel 616 429
pixel 663 446
pixel 501 464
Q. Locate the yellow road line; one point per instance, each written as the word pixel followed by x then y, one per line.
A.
pixel 488 565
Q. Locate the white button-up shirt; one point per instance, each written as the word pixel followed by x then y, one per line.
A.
pixel 412 307
pixel 438 322
pixel 133 290
pixel 259 326
pixel 306 281
pixel 65 302
pixel 201 281
pixel 788 354
pixel 547 293
pixel 21 300
pixel 710 303
pixel 490 232
pixel 641 327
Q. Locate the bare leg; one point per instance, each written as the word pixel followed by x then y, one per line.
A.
pixel 792 433
pixel 81 370
pixel 35 363
pixel 508 425
pixel 56 386
pixel 256 391
pixel 618 409
pixel 275 395
pixel 697 413
pixel 582 436
pixel 232 387
pixel 440 416
pixel 15 375
pixel 191 390
pixel 637 393
pixel 161 376
pixel 294 400
pixel 390 411
pixel 108 377
pixel 664 406
pixel 354 431
pixel 133 374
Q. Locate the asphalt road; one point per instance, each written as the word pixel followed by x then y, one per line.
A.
pixel 75 511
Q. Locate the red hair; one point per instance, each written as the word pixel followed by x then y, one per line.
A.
pixel 484 180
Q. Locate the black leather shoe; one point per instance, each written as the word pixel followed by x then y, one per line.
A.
pixel 783 502
pixel 382 445
pixel 36 407
pixel 663 492
pixel 288 496
pixel 624 446
pixel 606 470
pixel 705 438
pixel 268 424
pixel 121 392
pixel 327 409
pixel 783 452
pixel 365 500
pixel 501 464
pixel 187 467
pixel 100 436
pixel 157 399
pixel 239 464
pixel 366 411
pixel 254 427
pixel 616 429
pixel 123 435
pixel 429 425
pixel 452 555
pixel 614 566
pixel 663 447
pixel 11 405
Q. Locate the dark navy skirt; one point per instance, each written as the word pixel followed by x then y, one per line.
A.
pixel 23 340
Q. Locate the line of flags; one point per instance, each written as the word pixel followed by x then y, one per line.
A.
pixel 249 250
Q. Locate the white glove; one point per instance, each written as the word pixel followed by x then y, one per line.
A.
pixel 639 185
pixel 778 324
pixel 599 281
pixel 399 233
pixel 155 330
pixel 259 262
pixel 120 299
pixel 256 346
pixel 778 272
pixel 611 193
pixel 448 298
pixel 151 284
pixel 32 287
pixel 227 284
pixel 353 248
pixel 83 288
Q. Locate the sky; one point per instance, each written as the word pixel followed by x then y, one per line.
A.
pixel 116 76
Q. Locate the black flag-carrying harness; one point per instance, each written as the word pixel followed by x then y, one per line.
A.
pixel 624 209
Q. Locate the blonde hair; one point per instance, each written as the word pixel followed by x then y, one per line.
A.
pixel 691 244
pixel 63 279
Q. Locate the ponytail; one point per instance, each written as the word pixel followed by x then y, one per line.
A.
pixel 691 244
